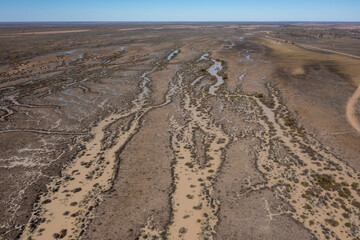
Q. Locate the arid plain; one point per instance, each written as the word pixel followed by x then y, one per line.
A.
pixel 180 131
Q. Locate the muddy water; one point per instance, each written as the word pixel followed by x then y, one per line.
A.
pixel 248 58
pixel 203 57
pixel 241 78
pixel 67 206
pixel 213 70
pixel 172 54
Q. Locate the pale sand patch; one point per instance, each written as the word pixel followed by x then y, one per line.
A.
pixel 351 110
pixel 46 32
pixel 193 204
pixel 68 204
pixel 130 29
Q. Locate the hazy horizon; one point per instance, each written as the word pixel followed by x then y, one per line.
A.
pixel 184 11
pixel 180 22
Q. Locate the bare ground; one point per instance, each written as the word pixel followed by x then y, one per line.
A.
pixel 125 132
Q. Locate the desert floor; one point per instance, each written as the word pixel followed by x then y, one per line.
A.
pixel 180 131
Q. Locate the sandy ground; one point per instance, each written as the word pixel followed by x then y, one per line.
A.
pixel 206 132
pixel 45 32
pixel 351 114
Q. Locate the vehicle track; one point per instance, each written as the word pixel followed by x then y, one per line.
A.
pixel 351 110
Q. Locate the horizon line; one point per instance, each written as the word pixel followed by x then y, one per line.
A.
pixel 185 21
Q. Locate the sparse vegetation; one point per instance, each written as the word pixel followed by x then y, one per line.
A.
pixel 111 118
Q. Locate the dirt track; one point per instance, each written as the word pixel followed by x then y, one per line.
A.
pixel 327 50
pixel 351 114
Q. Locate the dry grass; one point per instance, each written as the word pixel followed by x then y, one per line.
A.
pixel 294 59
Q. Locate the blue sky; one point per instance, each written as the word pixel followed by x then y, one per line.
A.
pixel 179 10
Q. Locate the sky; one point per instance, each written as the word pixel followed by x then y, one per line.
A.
pixel 179 10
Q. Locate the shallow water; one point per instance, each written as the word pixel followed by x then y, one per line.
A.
pixel 241 78
pixel 248 58
pixel 203 57
pixel 173 54
pixel 213 70
pixel 196 80
pixel 70 52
